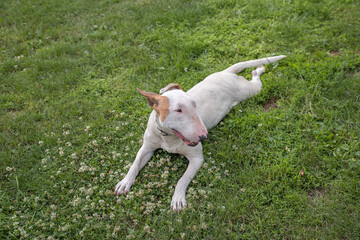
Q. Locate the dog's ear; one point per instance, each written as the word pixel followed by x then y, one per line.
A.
pixel 160 104
pixel 152 98
pixel 169 87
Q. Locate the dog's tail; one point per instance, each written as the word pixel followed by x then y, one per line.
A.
pixel 238 67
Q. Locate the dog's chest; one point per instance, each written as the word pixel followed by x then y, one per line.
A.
pixel 172 144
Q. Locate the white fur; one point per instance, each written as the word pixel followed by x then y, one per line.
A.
pixel 203 106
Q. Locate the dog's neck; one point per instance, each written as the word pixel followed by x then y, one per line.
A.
pixel 163 131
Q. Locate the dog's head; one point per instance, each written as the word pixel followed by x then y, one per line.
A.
pixel 177 112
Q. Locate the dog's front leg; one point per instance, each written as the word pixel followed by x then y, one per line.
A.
pixel 178 200
pixel 142 157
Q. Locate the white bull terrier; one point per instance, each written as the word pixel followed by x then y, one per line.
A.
pixel 180 120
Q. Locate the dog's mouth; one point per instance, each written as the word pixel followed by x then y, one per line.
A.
pixel 184 139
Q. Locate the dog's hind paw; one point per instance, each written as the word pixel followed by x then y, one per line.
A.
pixel 178 203
pixel 258 71
pixel 122 187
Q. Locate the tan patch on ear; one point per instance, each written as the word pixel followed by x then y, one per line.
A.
pixel 163 108
pixel 160 104
pixel 169 87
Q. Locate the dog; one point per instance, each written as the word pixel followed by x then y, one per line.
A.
pixel 180 120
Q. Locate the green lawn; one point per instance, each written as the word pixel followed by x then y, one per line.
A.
pixel 282 165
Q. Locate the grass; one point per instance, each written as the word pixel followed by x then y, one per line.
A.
pixel 284 164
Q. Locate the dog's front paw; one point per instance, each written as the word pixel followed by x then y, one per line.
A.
pixel 178 202
pixel 123 187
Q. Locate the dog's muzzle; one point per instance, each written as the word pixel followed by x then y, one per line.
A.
pixel 203 138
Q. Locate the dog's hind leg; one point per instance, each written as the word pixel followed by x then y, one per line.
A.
pixel 253 87
pixel 256 74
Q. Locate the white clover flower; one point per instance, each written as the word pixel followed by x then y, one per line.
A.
pixel 23 233
pixel 117 229
pixel 52 206
pixel 61 151
pixel 89 191
pixel 64 228
pixel 76 202
pixel 41 143
pixel 147 229
pixel 165 174
pixel 202 192
pixel 203 226
pixel 83 168
pixel 87 129
pixel 19 57
pixel 53 215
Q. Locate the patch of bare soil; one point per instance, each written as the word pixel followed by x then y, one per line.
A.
pixel 335 53
pixel 271 103
pixel 316 194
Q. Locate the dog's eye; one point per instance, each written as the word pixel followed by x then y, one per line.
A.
pixel 178 110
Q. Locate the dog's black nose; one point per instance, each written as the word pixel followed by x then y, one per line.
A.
pixel 203 137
